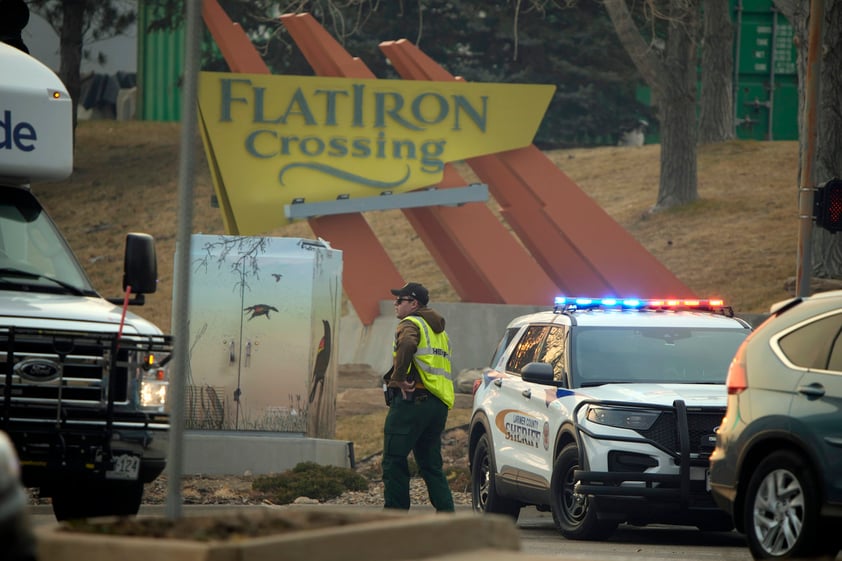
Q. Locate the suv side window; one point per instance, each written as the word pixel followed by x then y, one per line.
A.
pixel 503 345
pixel 527 348
pixel 554 351
pixel 815 345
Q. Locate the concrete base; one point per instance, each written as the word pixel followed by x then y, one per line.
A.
pixel 474 329
pixel 235 453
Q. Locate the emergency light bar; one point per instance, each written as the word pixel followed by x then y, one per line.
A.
pixel 565 303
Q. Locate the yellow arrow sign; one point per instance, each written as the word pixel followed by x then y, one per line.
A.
pixel 274 139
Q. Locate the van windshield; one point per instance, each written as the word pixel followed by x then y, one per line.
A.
pixel 684 355
pixel 33 255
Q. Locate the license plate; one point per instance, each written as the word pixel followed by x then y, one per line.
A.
pixel 124 466
pixel 699 473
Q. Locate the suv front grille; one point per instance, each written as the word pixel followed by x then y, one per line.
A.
pixel 701 424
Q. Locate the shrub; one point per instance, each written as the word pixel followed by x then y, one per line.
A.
pixel 309 479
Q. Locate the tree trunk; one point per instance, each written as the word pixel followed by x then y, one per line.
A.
pixel 716 118
pixel 70 41
pixel 672 78
pixel 825 248
pixel 678 183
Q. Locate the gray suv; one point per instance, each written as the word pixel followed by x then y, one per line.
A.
pixel 777 465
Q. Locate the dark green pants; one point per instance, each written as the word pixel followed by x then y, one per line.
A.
pixel 415 426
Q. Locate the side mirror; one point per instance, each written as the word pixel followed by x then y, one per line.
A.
pixel 539 373
pixel 140 268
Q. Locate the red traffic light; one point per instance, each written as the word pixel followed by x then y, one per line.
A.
pixel 827 206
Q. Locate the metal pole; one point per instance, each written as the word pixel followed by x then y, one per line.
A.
pixel 181 296
pixel 807 181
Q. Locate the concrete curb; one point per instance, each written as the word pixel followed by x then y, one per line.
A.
pixel 373 536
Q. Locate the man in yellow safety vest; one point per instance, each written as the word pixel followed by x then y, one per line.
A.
pixel 419 393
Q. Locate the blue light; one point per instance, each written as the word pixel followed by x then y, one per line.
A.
pixel 563 303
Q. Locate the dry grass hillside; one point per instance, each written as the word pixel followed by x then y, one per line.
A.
pixel 738 241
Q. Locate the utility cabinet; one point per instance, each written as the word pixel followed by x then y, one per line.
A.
pixel 264 313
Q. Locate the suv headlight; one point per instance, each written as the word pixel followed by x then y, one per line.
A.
pixel 153 384
pixel 634 419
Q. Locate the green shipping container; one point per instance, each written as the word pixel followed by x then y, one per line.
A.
pixel 766 102
pixel 159 69
pixel 765 76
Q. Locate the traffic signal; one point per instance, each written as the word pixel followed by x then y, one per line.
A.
pixel 827 205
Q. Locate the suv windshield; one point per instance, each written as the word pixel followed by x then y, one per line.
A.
pixel 33 256
pixel 601 355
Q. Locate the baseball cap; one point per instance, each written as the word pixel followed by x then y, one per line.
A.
pixel 413 290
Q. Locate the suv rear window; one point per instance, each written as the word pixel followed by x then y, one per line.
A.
pixel 810 346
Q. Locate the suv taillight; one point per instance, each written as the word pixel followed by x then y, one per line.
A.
pixel 476 386
pixel 737 380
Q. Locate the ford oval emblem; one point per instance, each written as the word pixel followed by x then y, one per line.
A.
pixel 38 370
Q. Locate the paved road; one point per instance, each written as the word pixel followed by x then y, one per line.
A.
pixel 539 536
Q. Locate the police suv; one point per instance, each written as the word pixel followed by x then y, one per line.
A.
pixel 604 411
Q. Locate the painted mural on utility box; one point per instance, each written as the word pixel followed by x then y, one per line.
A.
pixel 263 318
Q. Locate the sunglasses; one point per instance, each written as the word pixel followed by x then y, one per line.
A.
pixel 399 300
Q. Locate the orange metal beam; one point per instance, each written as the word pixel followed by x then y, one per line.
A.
pixel 367 269
pixel 468 243
pixel 581 248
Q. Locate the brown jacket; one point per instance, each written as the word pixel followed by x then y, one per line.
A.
pixel 407 337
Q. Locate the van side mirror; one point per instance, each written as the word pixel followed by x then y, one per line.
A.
pixel 140 266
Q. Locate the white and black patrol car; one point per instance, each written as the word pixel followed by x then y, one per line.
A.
pixel 604 411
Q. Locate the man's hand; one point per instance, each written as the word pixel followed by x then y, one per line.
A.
pixel 406 387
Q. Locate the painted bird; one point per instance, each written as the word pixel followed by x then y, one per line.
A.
pixel 320 365
pixel 260 310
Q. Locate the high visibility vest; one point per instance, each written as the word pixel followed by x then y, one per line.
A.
pixel 432 359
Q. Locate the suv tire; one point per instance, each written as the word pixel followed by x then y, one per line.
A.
pixel 782 488
pixel 484 496
pixel 571 512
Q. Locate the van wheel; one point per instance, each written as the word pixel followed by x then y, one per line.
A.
pixel 484 497
pixel 572 513
pixel 97 498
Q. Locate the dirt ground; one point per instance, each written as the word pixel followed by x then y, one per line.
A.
pixel 358 394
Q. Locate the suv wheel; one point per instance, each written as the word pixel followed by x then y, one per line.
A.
pixel 571 512
pixel 484 497
pixel 781 512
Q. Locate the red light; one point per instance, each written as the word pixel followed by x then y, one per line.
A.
pixel 715 303
pixel 477 384
pixel 737 380
pixel 673 303
pixel 692 302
